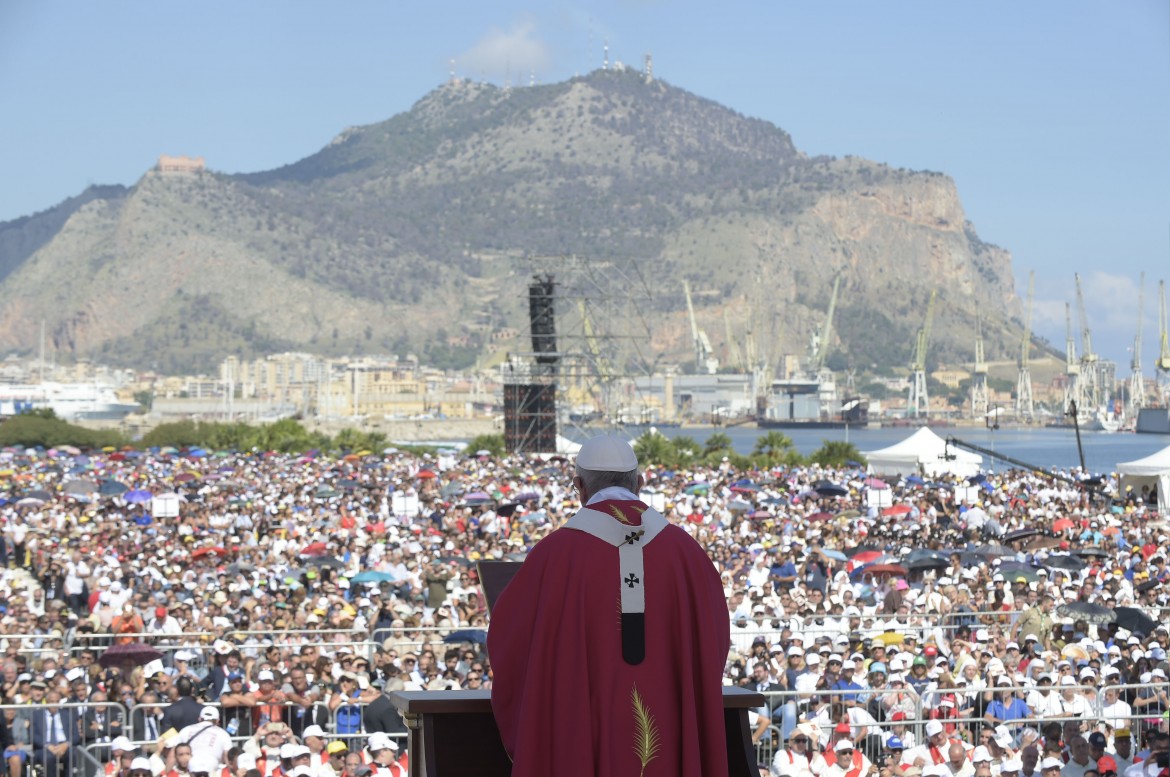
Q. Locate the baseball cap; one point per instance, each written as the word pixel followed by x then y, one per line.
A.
pixel 843 744
pixel 933 727
pixel 122 743
pixel 894 743
pixel 607 453
pixel 379 741
pixel 1097 739
pixel 1011 766
pixel 160 612
pixel 287 751
pixel 1106 763
pixel 209 713
pixel 141 763
pixel 980 753
pixel 333 748
pixel 265 674
pixel 202 763
pixel 313 731
pixel 1051 763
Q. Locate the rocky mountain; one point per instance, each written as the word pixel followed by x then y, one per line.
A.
pixel 418 233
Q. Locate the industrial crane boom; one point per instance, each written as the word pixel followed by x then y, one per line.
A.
pixel 1164 348
pixel 1026 341
pixel 827 331
pixel 1086 336
pixel 924 337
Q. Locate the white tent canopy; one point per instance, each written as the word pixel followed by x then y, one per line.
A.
pixel 1154 471
pixel 923 452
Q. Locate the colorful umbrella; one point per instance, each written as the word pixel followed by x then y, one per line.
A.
pixel 896 510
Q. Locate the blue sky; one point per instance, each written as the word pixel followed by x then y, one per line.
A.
pixel 1052 116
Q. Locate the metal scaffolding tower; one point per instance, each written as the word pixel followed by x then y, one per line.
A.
pixel 918 402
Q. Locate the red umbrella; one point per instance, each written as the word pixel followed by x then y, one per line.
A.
pixel 426 474
pixel 213 551
pixel 760 515
pixel 896 510
pixel 884 569
pixel 186 477
pixel 315 549
pixel 1062 524
pixel 866 556
pixel 821 516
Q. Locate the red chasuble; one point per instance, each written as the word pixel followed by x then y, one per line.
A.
pixel 566 700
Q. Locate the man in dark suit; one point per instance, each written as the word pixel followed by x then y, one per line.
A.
pixel 185 710
pixel 146 719
pixel 381 715
pixel 55 734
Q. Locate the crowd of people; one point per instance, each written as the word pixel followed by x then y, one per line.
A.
pixel 976 630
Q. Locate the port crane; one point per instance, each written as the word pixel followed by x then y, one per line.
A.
pixel 1025 408
pixel 980 397
pixel 1091 388
pixel 822 342
pixel 1072 367
pixel 705 361
pixel 1162 364
pixel 918 401
pixel 1137 386
pixel 734 357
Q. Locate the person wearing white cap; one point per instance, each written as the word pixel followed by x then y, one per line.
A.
pixel 847 761
pixel 652 674
pixel 934 751
pixel 383 754
pixel 122 752
pixel 207 736
pixel 314 738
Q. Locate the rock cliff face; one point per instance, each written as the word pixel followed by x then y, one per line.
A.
pixel 410 233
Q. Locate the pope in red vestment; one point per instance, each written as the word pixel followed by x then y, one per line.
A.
pixel 608 646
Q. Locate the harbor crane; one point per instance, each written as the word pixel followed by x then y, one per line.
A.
pixel 822 342
pixel 1137 386
pixel 705 361
pixel 1091 388
pixel 980 397
pixel 1025 408
pixel 918 402
pixel 1072 367
pixel 1162 365
pixel 734 356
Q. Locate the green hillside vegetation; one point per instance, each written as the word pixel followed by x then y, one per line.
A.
pixel 402 234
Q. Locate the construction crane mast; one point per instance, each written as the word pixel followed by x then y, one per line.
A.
pixel 1025 408
pixel 734 357
pixel 1091 388
pixel 1162 365
pixel 918 402
pixel 1137 386
pixel 980 396
pixel 1072 367
pixel 705 361
pixel 826 383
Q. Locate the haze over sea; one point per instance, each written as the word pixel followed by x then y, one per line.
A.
pixel 1047 448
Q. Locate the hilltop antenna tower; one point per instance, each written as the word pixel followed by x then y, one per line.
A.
pixel 605 57
pixel 1137 386
pixel 1025 408
pixel 918 402
pixel 980 400
pixel 649 68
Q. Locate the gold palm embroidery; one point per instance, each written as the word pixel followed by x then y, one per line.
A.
pixel 616 512
pixel 646 738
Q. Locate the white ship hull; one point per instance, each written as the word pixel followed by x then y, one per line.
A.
pixel 70 401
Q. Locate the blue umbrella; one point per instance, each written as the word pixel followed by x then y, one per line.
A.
pixel 836 555
pixel 372 576
pixel 914 480
pixel 111 488
pixel 478 636
pixel 137 496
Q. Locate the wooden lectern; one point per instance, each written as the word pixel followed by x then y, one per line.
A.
pixel 453 733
